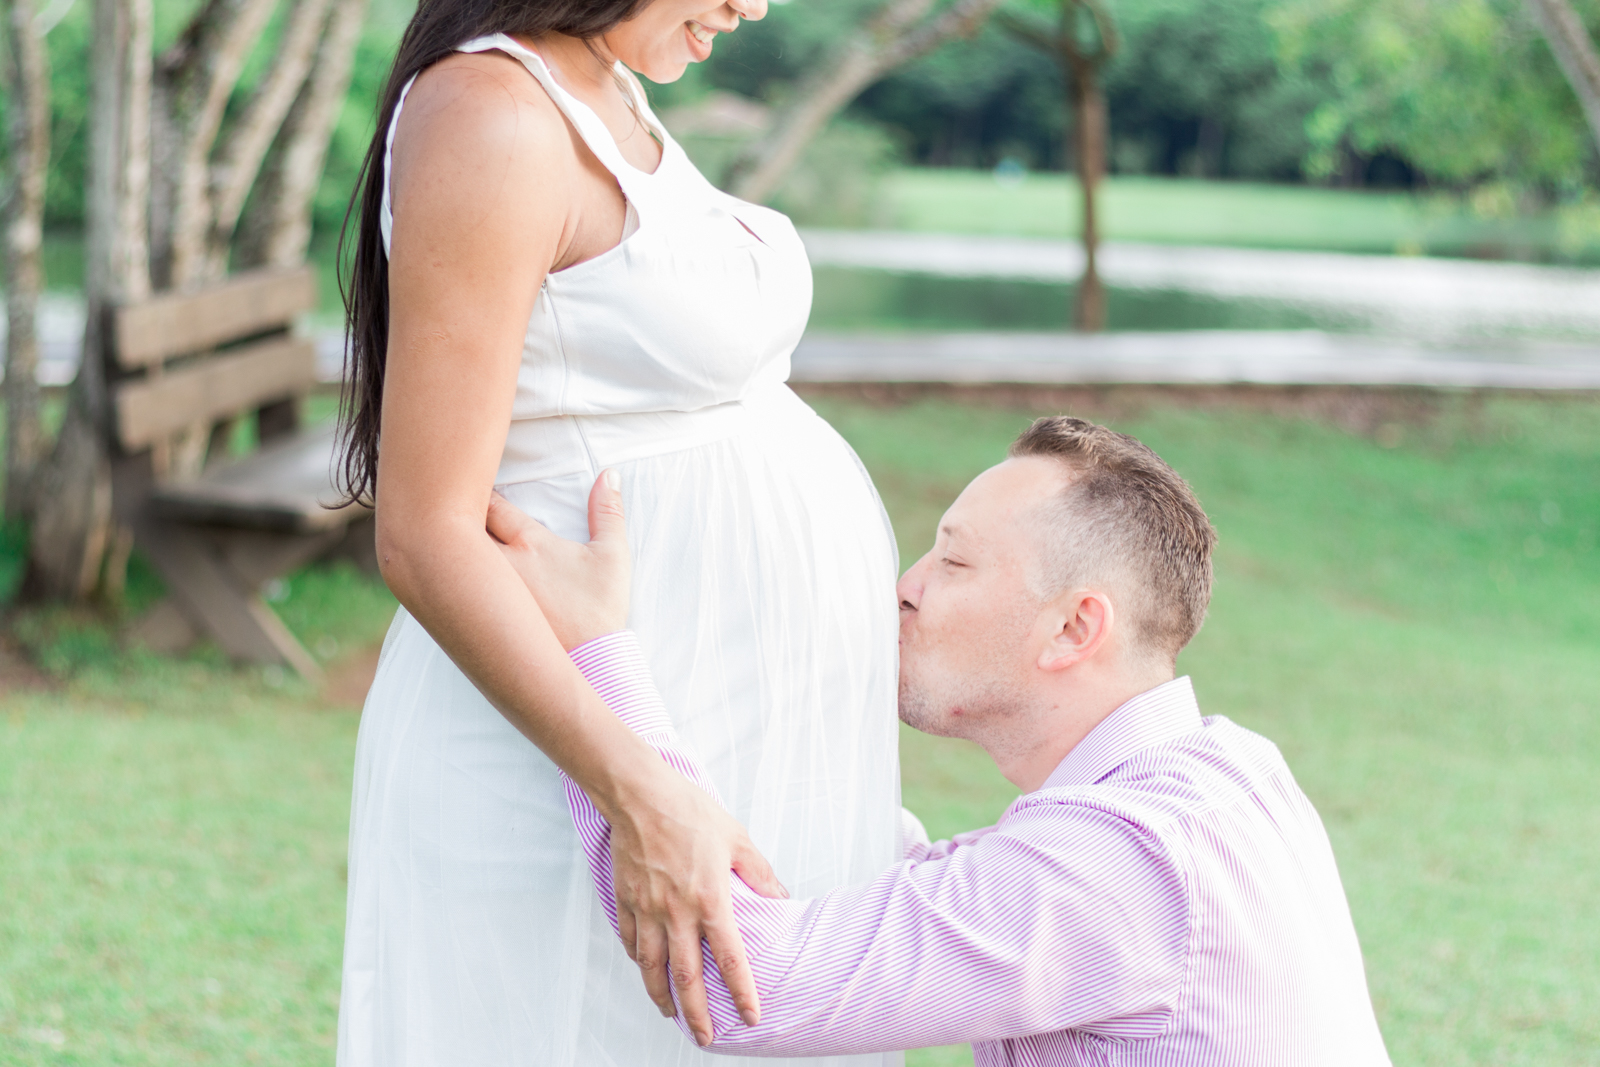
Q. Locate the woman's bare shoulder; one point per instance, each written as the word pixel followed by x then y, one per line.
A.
pixel 475 108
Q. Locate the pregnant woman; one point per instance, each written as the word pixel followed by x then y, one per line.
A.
pixel 545 288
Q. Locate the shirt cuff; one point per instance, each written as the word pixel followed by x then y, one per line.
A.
pixel 614 666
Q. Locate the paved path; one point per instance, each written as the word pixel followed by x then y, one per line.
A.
pixel 1299 357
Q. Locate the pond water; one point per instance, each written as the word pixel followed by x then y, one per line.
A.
pixel 851 299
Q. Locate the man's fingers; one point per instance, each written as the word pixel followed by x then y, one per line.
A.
pixel 628 932
pixel 727 949
pixel 607 524
pixel 651 956
pixel 688 980
pixel 754 870
pixel 509 524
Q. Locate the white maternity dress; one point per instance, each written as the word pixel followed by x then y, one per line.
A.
pixel 763 594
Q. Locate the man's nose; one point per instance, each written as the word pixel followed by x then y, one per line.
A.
pixel 909 587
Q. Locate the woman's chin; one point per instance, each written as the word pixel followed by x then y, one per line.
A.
pixel 661 72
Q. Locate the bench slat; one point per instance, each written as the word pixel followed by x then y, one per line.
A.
pixel 177 324
pixel 282 487
pixel 216 388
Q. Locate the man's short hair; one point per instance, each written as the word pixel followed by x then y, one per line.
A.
pixel 1125 517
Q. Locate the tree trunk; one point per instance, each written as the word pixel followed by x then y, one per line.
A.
pixel 895 37
pixel 192 84
pixel 245 144
pixel 1575 53
pixel 277 230
pixel 73 514
pixel 1086 112
pixel 1088 105
pixel 27 82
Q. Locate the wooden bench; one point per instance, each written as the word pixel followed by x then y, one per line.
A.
pixel 184 369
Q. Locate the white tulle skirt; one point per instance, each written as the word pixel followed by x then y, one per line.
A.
pixel 763 595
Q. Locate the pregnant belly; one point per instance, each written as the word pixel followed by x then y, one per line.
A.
pixel 763 595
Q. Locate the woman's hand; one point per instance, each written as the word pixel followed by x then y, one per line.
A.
pixel 671 853
pixel 582 588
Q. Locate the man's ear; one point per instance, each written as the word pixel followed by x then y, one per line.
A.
pixel 1077 625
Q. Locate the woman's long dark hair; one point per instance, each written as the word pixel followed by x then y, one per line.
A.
pixel 435 31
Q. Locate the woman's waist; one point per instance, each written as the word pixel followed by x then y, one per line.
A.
pixel 559 446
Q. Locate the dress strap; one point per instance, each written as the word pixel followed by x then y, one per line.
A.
pixel 385 206
pixel 594 132
pixel 589 125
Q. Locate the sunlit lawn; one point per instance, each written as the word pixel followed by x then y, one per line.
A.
pixel 1418 628
pixel 1250 214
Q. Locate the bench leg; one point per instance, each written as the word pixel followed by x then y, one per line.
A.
pixel 229 611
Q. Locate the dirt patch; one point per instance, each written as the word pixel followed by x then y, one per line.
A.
pixel 349 678
pixel 17 674
pixel 1371 411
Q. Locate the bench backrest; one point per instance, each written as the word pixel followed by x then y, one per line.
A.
pixel 194 361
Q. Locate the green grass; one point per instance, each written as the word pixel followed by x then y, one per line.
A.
pixel 1415 626
pixel 1248 214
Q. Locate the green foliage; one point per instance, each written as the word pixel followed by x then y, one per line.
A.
pixel 1196 89
pixel 68 47
pixel 1465 90
pixel 972 103
pixel 1458 92
pixel 13 558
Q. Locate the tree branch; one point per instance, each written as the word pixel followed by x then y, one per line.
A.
pixel 1030 30
pixel 961 19
pixel 890 39
pixel 193 82
pixel 277 231
pixel 1575 54
pixel 244 146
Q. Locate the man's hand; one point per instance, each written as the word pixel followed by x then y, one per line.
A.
pixel 583 589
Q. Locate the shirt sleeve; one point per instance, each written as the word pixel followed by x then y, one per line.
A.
pixel 1065 915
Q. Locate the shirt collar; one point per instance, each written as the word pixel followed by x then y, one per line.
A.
pixel 1154 716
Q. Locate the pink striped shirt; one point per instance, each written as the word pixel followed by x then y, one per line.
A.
pixel 1168 897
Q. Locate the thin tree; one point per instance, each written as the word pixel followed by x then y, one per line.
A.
pixel 276 230
pixel 900 32
pixel 72 519
pixel 171 179
pixel 27 84
pixel 1082 41
pixel 1575 53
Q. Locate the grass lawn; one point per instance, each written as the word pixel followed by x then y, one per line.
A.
pixel 1416 626
pixel 1249 214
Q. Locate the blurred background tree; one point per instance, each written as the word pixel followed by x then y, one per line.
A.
pixel 1082 40
pixel 1441 94
pixel 1456 92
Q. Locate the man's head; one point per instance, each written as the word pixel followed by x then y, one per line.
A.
pixel 1063 581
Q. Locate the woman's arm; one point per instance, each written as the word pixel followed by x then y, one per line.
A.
pixel 491 192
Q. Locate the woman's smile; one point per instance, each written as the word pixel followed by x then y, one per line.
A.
pixel 700 39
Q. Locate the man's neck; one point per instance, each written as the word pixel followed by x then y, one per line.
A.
pixel 1074 712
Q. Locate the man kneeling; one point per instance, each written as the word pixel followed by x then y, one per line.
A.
pixel 1161 893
